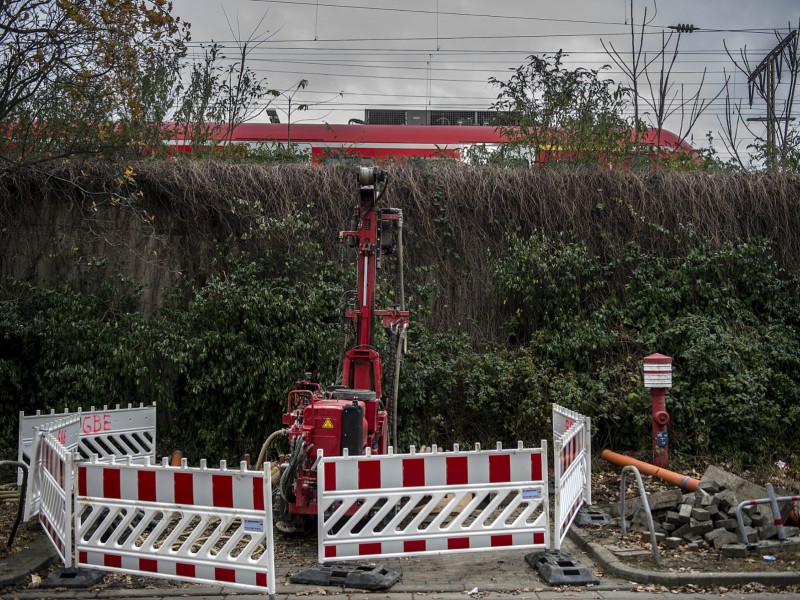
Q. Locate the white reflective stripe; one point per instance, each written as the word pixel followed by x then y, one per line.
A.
pixel 657 368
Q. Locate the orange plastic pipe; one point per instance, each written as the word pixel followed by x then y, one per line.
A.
pixel 682 481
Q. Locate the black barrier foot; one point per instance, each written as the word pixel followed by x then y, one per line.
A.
pixel 560 568
pixel 352 575
pixel 73 578
pixel 592 516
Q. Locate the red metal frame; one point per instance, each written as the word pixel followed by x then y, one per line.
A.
pixel 316 417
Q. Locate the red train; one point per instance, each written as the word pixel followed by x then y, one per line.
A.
pixel 382 142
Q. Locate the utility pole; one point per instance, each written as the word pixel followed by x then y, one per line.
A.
pixel 766 76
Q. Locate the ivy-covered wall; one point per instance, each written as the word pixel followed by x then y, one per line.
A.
pixel 210 288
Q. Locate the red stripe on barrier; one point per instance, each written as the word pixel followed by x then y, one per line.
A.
pixel 222 574
pixel 184 488
pixel 371 548
pixel 258 493
pixel 414 546
pixel 369 474
pixel 184 570
pixel 112 560
pixel 778 521
pixel 330 477
pixel 148 564
pixel 111 488
pixel 146 481
pixel 222 491
pixel 502 540
pixel 413 472
pixel 83 557
pixel 457 471
pixel 499 468
pixel 536 467
pixel 460 543
pixel 538 538
pixel 261 579
pixel 81 481
pixel 330 551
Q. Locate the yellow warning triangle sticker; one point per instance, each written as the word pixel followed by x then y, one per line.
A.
pixel 327 424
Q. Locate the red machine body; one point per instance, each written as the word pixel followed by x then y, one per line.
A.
pixel 350 417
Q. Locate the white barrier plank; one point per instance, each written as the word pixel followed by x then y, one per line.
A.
pixel 200 525
pixel 443 502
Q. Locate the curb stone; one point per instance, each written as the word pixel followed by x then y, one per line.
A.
pixel 36 555
pixel 607 561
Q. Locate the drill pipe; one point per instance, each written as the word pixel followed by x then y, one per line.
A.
pixel 682 481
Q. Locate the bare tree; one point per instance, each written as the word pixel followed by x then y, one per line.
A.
pixel 242 90
pixel 665 100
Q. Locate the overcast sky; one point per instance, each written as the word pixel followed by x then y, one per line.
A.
pixel 440 53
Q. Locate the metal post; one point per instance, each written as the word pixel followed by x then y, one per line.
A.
pixel 645 505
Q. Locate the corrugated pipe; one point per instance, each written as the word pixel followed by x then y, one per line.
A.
pixel 682 481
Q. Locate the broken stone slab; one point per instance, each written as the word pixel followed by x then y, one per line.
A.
pixel 727 500
pixel 682 531
pixel 767 531
pixel 757 520
pixel 701 514
pixel 729 524
pixel 714 534
pixel 709 486
pixel 699 528
pixel 668 499
pixel 734 551
pixel 744 490
pixel 685 512
pixel 673 542
pixel 751 535
pixel 723 540
pixel 709 501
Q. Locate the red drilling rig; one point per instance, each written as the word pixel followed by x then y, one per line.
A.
pixel 351 416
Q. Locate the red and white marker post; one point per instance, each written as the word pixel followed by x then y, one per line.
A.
pixel 658 377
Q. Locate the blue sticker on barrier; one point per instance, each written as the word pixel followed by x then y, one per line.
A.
pixel 531 494
pixel 254 526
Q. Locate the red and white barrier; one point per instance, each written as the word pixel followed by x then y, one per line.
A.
pixel 50 460
pixel 572 454
pixel 396 505
pixel 50 483
pixel 194 524
pixel 105 432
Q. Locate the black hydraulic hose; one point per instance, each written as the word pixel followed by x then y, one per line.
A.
pixel 23 491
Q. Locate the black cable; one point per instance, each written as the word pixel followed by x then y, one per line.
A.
pixel 23 491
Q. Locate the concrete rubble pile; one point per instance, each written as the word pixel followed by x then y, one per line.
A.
pixel 707 517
